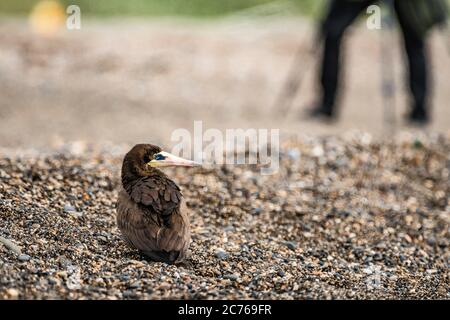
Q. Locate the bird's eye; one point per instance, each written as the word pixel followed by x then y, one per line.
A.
pixel 159 157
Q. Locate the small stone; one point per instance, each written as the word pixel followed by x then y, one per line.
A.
pixel 232 277
pixel 134 285
pixel 24 257
pixel 256 211
pixel 377 256
pixel 221 254
pixel 69 208
pixel 310 266
pixel 53 281
pixel 294 154
pixel 281 273
pixel 128 294
pixel 318 151
pixel 64 262
pixel 291 245
pixel 124 277
pixel 12 293
pixel 431 240
pixel 76 214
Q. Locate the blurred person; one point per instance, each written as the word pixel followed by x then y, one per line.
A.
pixel 415 17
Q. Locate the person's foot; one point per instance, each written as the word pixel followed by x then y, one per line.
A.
pixel 320 113
pixel 418 118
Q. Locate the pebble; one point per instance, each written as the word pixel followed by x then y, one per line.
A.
pixel 69 208
pixel 76 214
pixel 24 257
pixel 221 254
pixel 12 293
pixel 232 277
pixel 129 294
pixel 257 211
pixel 134 285
pixel 291 245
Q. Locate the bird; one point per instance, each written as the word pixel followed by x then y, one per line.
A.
pixel 151 212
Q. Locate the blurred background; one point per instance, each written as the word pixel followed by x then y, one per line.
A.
pixel 136 70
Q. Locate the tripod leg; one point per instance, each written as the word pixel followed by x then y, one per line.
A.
pixel 387 70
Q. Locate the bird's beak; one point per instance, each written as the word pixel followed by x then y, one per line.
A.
pixel 171 160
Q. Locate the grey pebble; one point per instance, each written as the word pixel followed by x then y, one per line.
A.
pixel 221 254
pixel 134 285
pixel 24 257
pixel 291 245
pixel 256 211
pixel 129 294
pixel 232 277
pixel 69 208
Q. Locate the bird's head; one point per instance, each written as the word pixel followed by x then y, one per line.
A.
pixel 144 159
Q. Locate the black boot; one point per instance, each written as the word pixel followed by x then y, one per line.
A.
pixel 418 116
pixel 320 112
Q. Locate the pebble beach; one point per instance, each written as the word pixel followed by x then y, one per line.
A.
pixel 348 217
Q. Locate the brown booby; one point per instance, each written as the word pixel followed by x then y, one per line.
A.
pixel 151 213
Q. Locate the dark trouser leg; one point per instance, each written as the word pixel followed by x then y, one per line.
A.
pixel 339 17
pixel 417 61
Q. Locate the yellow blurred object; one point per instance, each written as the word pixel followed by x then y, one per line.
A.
pixel 47 17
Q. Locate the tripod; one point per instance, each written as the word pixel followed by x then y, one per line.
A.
pixel 387 69
pixel 304 60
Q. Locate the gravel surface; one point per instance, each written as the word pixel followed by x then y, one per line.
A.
pixel 344 218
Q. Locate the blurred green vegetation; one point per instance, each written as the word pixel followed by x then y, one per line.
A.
pixel 188 8
pixel 195 8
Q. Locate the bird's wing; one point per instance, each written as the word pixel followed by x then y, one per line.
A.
pixel 137 228
pixel 159 200
pixel 157 194
pixel 178 236
pixel 140 230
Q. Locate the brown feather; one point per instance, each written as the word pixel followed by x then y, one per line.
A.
pixel 173 196
pixel 140 232
pixel 167 194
